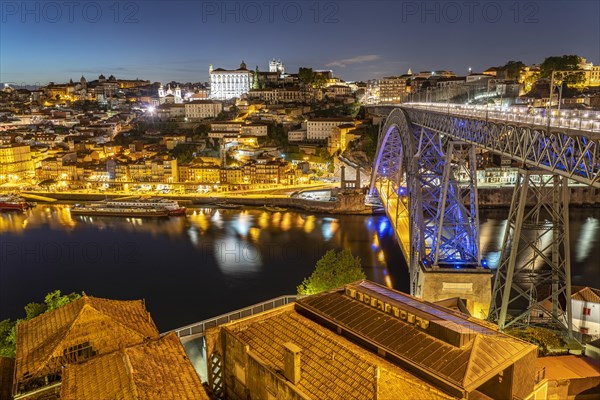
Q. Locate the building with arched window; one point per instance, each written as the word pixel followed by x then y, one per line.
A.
pixel 227 84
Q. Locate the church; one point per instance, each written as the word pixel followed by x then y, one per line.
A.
pixel 169 95
pixel 227 84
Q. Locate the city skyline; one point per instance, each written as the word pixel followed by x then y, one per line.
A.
pixel 150 41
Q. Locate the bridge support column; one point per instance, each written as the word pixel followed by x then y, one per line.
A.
pixel 533 281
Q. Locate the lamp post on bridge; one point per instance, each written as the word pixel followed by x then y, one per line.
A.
pixel 563 75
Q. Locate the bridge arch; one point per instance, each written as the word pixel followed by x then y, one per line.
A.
pixel 415 176
pixel 396 146
pixel 394 180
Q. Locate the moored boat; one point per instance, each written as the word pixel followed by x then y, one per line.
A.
pixel 171 206
pixel 13 203
pixel 274 209
pixel 227 205
pixel 101 210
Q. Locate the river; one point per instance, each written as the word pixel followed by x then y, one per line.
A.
pixel 214 261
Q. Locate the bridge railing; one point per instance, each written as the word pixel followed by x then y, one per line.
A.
pixel 569 119
pixel 199 328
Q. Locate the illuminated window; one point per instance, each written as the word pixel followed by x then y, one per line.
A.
pixel 586 311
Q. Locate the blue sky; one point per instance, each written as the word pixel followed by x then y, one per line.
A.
pixel 42 41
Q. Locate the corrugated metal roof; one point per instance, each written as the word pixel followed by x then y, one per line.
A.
pixel 332 367
pixel 484 354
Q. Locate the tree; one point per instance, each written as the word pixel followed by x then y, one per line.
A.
pixel 333 270
pixel 255 83
pixel 7 349
pixel 545 339
pixel 563 63
pixel 513 69
pixel 306 75
pixel 319 81
pixel 184 153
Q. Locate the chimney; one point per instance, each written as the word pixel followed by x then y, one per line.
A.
pixel 291 362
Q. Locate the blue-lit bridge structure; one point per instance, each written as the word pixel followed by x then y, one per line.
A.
pixel 424 174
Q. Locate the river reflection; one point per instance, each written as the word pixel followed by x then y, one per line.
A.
pixel 187 268
pixel 213 261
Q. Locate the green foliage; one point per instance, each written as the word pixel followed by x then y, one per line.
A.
pixel 513 69
pixel 184 153
pixel 333 270
pixel 202 130
pixel 7 348
pixel 277 134
pixel 562 63
pixel 545 339
pixel 319 81
pixel 32 310
pixel 55 300
pixel 306 75
pixel 8 329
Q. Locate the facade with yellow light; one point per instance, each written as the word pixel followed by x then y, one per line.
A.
pixel 15 163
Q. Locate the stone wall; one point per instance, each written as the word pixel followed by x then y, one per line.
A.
pixel 474 287
pixel 7 370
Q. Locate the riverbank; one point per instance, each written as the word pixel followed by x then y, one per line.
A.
pixel 348 203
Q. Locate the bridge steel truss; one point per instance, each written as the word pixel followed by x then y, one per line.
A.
pixel 425 150
pixel 570 153
pixel 534 276
pixel 417 173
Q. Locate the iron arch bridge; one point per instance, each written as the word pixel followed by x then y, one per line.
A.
pixel 424 173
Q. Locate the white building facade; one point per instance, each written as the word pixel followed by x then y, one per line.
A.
pixel 585 305
pixel 322 128
pixel 229 84
pixel 168 92
pixel 200 109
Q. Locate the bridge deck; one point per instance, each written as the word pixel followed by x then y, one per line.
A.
pixel 397 213
pixel 586 122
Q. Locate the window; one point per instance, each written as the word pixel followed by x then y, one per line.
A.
pixel 587 311
pixel 583 330
pixel 79 352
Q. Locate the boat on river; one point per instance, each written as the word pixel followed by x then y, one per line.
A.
pixel 14 203
pixel 171 206
pixel 228 205
pixel 102 210
pixel 274 209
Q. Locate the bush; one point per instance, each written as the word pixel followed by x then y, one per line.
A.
pixel 333 270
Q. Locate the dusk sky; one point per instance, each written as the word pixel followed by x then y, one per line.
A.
pixel 358 40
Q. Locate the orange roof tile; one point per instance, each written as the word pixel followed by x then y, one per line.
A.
pixel 588 294
pixel 42 341
pixel 157 369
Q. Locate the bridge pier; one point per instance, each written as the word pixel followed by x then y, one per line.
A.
pixel 533 281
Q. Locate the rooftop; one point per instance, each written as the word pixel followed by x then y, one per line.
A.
pixel 42 342
pixel 441 344
pixel 331 366
pixel 152 370
pixel 569 367
pixel 588 294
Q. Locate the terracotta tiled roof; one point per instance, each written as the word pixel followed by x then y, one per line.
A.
pixel 105 324
pixel 154 370
pixel 332 367
pixel 568 367
pixel 588 294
